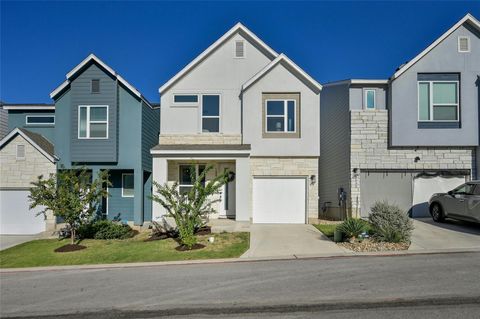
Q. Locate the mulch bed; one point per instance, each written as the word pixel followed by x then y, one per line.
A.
pixel 371 245
pixel 69 248
pixel 161 236
pixel 185 248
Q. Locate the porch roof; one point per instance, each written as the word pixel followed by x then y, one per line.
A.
pixel 201 149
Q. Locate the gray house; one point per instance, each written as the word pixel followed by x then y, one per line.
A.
pixel 407 137
pixel 242 106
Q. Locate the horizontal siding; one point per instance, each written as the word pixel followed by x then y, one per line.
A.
pixel 150 131
pixel 17 118
pixel 334 144
pixel 91 150
pixel 119 206
pixel 3 122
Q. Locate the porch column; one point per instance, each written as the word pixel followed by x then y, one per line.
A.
pixel 138 197
pixel 243 200
pixel 160 175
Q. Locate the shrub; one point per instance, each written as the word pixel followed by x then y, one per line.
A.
pixel 105 229
pixel 352 227
pixel 390 223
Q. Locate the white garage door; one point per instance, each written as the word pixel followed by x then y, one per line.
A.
pixel 424 187
pixel 16 217
pixel 279 200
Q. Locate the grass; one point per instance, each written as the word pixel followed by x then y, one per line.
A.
pixel 41 252
pixel 327 229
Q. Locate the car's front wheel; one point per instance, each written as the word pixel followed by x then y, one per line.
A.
pixel 437 212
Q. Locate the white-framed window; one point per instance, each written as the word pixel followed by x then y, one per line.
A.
pixel 40 120
pixel 280 116
pixel 210 113
pixel 463 44
pixel 438 101
pixel 20 152
pixel 185 182
pixel 186 99
pixel 128 189
pixel 369 99
pixel 239 49
pixel 95 86
pixel 93 121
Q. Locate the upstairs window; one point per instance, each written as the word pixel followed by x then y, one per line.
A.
pixel 40 120
pixel 210 113
pixel 438 101
pixel 463 44
pixel 20 155
pixel 369 99
pixel 185 99
pixel 93 122
pixel 239 49
pixel 280 116
pixel 95 86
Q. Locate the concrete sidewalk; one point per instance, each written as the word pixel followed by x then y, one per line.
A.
pixel 287 240
pixel 7 241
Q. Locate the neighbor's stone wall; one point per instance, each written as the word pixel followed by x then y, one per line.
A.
pixel 369 150
pixel 280 166
pixel 208 138
pixel 20 173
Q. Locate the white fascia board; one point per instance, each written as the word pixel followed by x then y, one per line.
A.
pixel 198 152
pixel 466 18
pixel 238 27
pixel 271 65
pixel 29 140
pixel 85 61
pixel 28 107
pixel 365 81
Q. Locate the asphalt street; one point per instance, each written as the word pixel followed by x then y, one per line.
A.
pixel 414 286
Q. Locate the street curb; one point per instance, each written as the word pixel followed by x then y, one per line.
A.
pixel 241 260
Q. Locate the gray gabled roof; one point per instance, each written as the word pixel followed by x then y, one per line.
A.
pixel 41 143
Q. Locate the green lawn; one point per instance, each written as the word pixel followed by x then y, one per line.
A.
pixel 327 229
pixel 41 252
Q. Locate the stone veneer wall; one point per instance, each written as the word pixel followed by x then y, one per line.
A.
pixel 369 150
pixel 281 166
pixel 18 174
pixel 206 138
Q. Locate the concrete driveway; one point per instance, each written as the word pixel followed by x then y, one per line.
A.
pixel 287 240
pixel 7 241
pixel 451 234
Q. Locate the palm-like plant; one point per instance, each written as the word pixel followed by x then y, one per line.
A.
pixel 352 228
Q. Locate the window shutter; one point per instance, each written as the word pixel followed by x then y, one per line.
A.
pixel 463 44
pixel 20 152
pixel 239 49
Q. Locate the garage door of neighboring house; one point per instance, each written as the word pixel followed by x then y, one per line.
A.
pixel 279 200
pixel 394 187
pixel 15 215
pixel 425 186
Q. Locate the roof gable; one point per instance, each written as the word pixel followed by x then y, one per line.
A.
pixel 238 28
pixel 470 19
pixel 290 66
pixel 92 58
pixel 38 141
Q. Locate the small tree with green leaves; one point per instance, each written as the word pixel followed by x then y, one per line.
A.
pixel 72 195
pixel 190 210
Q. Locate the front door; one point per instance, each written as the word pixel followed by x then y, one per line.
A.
pixel 227 202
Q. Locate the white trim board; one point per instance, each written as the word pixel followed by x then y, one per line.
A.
pixel 28 107
pixel 236 28
pixel 467 18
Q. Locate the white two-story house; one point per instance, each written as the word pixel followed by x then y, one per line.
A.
pixel 242 106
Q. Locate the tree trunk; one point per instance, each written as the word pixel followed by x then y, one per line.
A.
pixel 73 236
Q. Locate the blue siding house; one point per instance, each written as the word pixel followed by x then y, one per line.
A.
pixel 104 123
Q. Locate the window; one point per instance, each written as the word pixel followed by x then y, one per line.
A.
pixel 95 86
pixel 476 191
pixel 465 189
pixel 210 113
pixel 185 99
pixel 40 120
pixel 93 121
pixel 463 44
pixel 239 49
pixel 185 177
pixel 20 152
pixel 128 189
pixel 438 101
pixel 369 99
pixel 280 116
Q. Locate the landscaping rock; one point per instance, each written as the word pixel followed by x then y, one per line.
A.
pixel 371 245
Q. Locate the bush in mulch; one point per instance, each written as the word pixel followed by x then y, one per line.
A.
pixel 105 229
pixel 164 231
pixel 186 248
pixel 69 248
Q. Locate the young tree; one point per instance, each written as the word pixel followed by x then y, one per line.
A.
pixel 190 210
pixel 72 195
